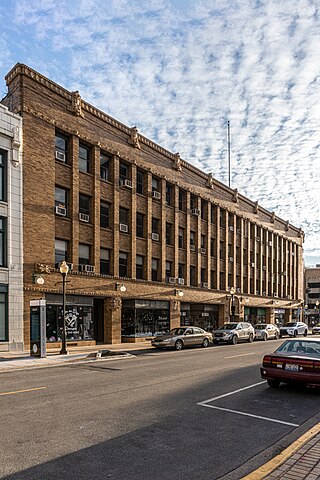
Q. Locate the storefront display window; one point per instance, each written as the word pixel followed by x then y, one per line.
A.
pixel 79 320
pixel 144 318
pixel 201 315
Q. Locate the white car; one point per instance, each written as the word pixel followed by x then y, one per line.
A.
pixel 293 329
pixel 264 331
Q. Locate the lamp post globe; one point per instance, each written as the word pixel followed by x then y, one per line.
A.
pixel 232 292
pixel 64 269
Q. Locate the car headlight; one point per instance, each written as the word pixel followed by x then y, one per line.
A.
pixel 166 340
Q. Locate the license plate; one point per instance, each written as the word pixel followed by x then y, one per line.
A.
pixel 292 367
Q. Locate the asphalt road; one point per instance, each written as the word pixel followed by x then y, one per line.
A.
pixel 163 415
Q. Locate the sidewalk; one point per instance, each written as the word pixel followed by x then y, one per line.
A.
pixel 20 360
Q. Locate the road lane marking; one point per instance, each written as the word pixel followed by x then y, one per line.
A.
pixel 22 391
pixel 250 415
pixel 242 355
pixel 231 393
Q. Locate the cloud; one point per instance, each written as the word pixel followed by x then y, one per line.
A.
pixel 180 70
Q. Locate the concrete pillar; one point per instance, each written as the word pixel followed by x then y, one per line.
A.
pixel 288 315
pixel 112 320
pixel 175 313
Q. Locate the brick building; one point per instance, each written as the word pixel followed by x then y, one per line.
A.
pixel 152 240
pixel 312 298
pixel 11 235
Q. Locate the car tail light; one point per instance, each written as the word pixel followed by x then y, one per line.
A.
pixel 266 361
pixel 316 366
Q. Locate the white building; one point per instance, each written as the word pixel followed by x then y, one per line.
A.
pixel 11 232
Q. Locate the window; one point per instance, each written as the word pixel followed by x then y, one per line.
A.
pixel 193 239
pixel 212 247
pixel 204 209
pixel 124 216
pixel 105 210
pixel 155 270
pixel 192 276
pixel 140 181
pixel 123 264
pixel 169 194
pixel 203 241
pixel 60 251
pixel 3 314
pixel 182 200
pixel 168 269
pixel 140 225
pixel 3 242
pixel 155 184
pixel 61 199
pixel 84 205
pixel 105 261
pixel 84 159
pixel 213 213
pixel 222 218
pixel 61 148
pixel 181 237
pixel 221 250
pixel 104 167
pixel 193 201
pixel 203 275
pixel 181 270
pixel 84 255
pixel 155 225
pixel 124 171
pixel 139 267
pixel 169 230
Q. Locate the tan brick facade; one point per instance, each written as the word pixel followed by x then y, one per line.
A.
pixel 227 240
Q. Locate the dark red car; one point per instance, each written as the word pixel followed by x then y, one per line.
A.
pixel 295 361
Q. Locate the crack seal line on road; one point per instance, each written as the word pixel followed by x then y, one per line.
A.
pixel 205 403
pixel 22 391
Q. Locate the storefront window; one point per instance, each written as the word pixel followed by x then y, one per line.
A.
pixel 79 320
pixel 144 318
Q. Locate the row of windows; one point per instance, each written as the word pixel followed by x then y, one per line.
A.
pixel 61 253
pixel 198 206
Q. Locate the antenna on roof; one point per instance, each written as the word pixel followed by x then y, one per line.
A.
pixel 229 161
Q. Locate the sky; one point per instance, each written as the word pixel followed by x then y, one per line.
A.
pixel 179 70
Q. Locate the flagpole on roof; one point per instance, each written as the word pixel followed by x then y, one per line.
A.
pixel 229 159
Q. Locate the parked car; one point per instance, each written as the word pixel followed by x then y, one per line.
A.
pixel 316 329
pixel 234 332
pixel 265 331
pixel 295 361
pixel 181 337
pixel 293 329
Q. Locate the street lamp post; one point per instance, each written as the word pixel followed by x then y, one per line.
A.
pixel 318 316
pixel 232 292
pixel 64 269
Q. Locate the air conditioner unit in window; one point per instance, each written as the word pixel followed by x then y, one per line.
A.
pixel 170 280
pixel 258 239
pixel 264 267
pixel 252 265
pixel 181 281
pixel 238 230
pixel 275 294
pixel 61 156
pixel 84 217
pixel 264 294
pixel 203 250
pixel 123 228
pixel 238 290
pixel 192 248
pixel 270 244
pixel 205 285
pixel 156 195
pixel 155 236
pixel 86 268
pixel 230 259
pixel 231 228
pixel 61 211
pixel 195 211
pixel 126 183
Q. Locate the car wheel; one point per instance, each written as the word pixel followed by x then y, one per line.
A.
pixel 277 336
pixel 265 337
pixel 234 340
pixel 205 343
pixel 273 383
pixel 295 333
pixel 178 345
pixel 250 339
pixel 305 333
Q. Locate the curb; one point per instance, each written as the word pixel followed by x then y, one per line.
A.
pixel 275 462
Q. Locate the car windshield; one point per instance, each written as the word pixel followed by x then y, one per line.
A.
pixel 300 347
pixel 290 324
pixel 177 331
pixel 229 326
pixel 262 326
